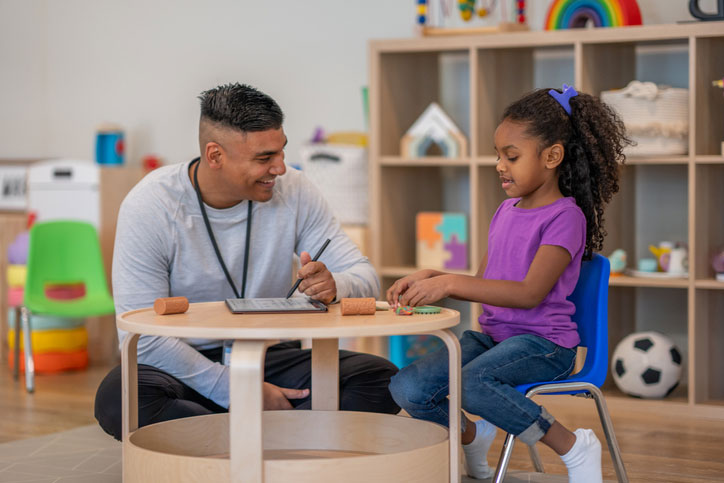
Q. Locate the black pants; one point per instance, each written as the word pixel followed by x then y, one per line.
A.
pixel 363 378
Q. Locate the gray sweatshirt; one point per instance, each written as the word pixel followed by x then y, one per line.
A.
pixel 162 249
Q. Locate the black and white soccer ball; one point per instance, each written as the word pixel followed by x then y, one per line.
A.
pixel 646 364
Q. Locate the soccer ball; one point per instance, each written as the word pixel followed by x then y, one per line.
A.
pixel 646 364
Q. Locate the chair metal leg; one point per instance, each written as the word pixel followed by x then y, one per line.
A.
pixel 28 349
pixel 505 455
pixel 610 435
pixel 535 458
pixel 16 351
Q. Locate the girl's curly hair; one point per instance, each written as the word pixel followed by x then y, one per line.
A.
pixel 593 139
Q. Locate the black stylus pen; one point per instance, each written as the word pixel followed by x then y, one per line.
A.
pixel 316 257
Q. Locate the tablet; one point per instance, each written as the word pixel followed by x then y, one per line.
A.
pixel 274 305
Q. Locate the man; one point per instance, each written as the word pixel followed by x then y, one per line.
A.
pixel 226 225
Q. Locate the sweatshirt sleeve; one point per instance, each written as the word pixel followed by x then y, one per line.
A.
pixel 143 250
pixel 353 273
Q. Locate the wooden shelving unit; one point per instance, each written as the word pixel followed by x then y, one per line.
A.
pixel 475 77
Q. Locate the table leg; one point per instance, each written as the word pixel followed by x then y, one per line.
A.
pixel 129 390
pixel 453 349
pixel 325 374
pixel 129 384
pixel 246 377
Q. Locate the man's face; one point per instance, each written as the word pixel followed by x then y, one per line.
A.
pixel 251 163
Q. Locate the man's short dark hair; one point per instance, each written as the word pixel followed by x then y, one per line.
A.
pixel 241 107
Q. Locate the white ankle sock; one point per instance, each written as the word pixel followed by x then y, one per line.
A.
pixel 476 453
pixel 583 460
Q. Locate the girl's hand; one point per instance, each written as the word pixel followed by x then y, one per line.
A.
pixel 401 285
pixel 427 291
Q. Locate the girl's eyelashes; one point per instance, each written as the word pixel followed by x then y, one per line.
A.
pixel 513 158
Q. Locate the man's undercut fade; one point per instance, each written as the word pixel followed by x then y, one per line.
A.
pixel 240 107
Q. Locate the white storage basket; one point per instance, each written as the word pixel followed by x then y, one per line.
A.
pixel 656 117
pixel 340 173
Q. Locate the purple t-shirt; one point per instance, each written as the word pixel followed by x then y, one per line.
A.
pixel 513 239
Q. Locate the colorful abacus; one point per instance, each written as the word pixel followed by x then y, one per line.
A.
pixel 520 11
pixel 421 12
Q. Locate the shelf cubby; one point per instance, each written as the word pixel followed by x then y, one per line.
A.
pixel 709 218
pixel 707 356
pixel 655 308
pixel 410 81
pixel 651 206
pixel 709 114
pixel 405 191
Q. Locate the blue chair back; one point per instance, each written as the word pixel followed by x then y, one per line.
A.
pixel 591 300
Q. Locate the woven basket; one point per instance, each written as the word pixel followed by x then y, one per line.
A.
pixel 656 117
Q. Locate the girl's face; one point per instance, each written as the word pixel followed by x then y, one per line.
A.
pixel 524 171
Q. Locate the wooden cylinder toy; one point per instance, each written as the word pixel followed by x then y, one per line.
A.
pixel 171 305
pixel 360 306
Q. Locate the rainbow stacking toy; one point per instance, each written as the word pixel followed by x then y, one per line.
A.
pixel 566 14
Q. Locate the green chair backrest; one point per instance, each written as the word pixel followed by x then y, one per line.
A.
pixel 65 252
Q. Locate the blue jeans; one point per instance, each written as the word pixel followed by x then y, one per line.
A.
pixel 490 372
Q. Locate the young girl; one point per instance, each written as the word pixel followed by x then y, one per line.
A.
pixel 558 157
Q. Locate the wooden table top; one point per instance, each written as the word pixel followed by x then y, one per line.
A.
pixel 213 320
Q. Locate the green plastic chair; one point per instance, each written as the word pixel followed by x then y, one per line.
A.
pixel 61 252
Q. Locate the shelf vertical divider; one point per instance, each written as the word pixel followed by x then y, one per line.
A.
pixel 695 387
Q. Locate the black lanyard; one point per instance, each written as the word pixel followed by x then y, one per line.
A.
pixel 213 239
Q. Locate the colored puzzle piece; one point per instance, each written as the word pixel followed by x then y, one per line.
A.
pixel 426 228
pixel 431 257
pixel 453 224
pixel 458 259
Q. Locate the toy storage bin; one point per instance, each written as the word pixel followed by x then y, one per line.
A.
pixel 656 117
pixel 340 173
pixel 64 189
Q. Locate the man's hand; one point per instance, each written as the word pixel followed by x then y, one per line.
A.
pixel 276 398
pixel 317 282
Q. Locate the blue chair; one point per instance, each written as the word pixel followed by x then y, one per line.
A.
pixel 591 300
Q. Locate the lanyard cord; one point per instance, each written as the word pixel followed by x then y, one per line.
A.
pixel 213 238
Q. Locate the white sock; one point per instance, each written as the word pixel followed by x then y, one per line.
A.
pixel 476 452
pixel 583 460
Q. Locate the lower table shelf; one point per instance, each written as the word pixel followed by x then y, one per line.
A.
pixel 299 446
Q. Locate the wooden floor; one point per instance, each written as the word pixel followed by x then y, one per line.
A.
pixel 656 445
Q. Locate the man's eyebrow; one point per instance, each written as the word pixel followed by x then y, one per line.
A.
pixel 269 153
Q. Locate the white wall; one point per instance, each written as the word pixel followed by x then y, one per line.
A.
pixel 69 65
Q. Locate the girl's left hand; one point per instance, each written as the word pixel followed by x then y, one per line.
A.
pixel 427 291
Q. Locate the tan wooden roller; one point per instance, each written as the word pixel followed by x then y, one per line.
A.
pixel 171 305
pixel 360 306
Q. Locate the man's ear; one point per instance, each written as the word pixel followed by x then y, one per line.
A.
pixel 553 155
pixel 214 154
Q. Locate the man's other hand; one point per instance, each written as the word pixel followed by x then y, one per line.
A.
pixel 276 398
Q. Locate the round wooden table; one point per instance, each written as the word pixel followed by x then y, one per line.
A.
pixel 252 445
